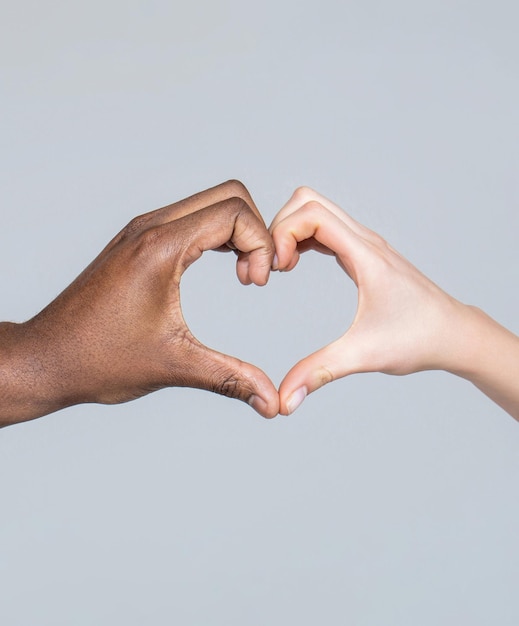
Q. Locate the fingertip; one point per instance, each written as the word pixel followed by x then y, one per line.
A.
pixel 259 276
pixel 260 264
pixel 299 383
pixel 283 246
pixel 258 390
pixel 310 374
pixel 296 399
pixel 293 262
pixel 245 281
pixel 283 259
pixel 243 269
pixel 266 409
pixel 264 398
pixel 290 401
pixel 286 255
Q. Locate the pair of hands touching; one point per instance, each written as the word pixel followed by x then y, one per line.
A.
pixel 117 332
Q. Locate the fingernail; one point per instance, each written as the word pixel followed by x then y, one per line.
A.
pixel 296 399
pixel 275 262
pixel 258 404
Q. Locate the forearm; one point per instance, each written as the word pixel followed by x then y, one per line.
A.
pixel 24 392
pixel 489 358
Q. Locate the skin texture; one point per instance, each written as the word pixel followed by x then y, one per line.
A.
pixel 404 323
pixel 117 332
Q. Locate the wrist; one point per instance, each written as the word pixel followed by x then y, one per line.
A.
pixel 464 338
pixel 25 391
pixel 489 358
pixel 478 339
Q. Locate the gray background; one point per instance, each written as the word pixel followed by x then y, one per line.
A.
pixel 382 501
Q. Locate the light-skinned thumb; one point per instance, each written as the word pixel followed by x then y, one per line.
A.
pixel 320 368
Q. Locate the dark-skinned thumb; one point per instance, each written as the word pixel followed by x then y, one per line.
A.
pixel 228 376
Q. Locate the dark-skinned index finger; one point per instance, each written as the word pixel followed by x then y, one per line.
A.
pixel 201 200
pixel 229 221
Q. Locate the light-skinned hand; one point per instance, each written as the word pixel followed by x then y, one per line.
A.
pixel 404 323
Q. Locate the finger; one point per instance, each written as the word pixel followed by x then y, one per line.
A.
pixel 304 195
pixel 228 376
pixel 312 244
pixel 314 221
pixel 332 362
pixel 182 208
pixel 196 202
pixel 242 268
pixel 302 247
pixel 230 221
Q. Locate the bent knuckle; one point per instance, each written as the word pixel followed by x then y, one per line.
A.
pixel 314 209
pixel 229 386
pixel 324 376
pixel 378 240
pixel 303 194
pixel 238 205
pixel 236 188
pixel 268 249
pixel 226 380
pixel 148 243
pixel 136 225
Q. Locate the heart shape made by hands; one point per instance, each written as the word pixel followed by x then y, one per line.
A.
pixel 273 326
pixel 402 322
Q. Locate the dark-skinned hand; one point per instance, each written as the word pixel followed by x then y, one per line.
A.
pixel 117 332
